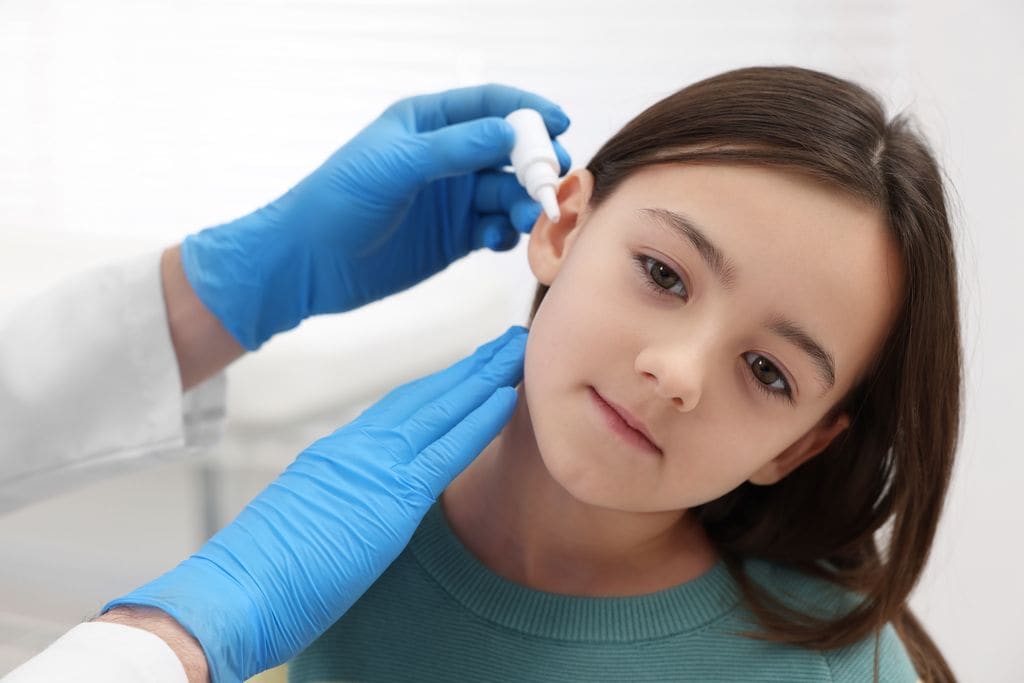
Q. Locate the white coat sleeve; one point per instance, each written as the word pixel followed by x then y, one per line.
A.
pixel 89 384
pixel 100 652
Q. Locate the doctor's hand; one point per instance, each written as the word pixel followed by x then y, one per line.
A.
pixel 307 547
pixel 418 188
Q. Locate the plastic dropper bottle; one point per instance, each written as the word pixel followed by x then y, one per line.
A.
pixel 534 160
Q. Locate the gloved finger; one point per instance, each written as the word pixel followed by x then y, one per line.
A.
pixel 524 215
pixel 402 402
pixel 497 192
pixel 466 104
pixel 496 232
pixel 509 239
pixel 500 192
pixel 564 160
pixel 465 147
pixel 443 460
pixel 437 418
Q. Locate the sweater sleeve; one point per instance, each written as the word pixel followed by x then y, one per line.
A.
pixel 856 663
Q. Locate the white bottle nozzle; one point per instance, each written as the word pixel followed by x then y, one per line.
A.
pixel 549 202
pixel 534 160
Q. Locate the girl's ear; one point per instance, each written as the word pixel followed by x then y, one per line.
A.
pixel 550 242
pixel 805 448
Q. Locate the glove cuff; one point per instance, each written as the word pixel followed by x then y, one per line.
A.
pixel 254 288
pixel 214 617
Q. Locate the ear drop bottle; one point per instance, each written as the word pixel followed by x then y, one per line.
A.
pixel 534 160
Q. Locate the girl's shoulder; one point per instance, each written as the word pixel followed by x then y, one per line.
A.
pixel 856 662
pixel 824 599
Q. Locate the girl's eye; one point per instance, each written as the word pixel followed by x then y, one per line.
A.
pixel 659 277
pixel 664 281
pixel 766 375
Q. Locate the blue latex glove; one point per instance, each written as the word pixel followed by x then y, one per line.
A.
pixel 304 550
pixel 417 189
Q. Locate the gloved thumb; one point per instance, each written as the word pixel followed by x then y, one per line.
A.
pixel 466 147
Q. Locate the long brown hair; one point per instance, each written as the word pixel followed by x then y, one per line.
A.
pixel 891 467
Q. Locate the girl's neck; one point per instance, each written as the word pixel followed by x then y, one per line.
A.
pixel 520 523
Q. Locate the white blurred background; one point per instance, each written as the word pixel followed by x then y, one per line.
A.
pixel 125 125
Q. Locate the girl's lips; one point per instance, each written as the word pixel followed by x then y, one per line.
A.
pixel 619 423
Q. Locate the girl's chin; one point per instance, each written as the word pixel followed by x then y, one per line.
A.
pixel 589 483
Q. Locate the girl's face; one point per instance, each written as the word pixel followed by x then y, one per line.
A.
pixel 725 308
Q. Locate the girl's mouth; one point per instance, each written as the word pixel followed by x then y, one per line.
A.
pixel 620 424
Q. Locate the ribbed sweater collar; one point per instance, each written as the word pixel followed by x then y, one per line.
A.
pixel 681 608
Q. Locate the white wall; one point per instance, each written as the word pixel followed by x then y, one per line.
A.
pixel 967 69
pixel 125 125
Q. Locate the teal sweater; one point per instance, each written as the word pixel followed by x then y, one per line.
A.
pixel 438 614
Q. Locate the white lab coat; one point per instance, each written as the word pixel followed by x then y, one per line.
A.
pixel 89 386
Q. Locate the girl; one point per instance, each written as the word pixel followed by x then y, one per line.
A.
pixel 743 366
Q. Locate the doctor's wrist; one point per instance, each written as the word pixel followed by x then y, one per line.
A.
pixel 202 345
pixel 159 623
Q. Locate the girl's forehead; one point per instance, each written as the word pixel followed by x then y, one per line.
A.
pixel 755 216
pixel 741 187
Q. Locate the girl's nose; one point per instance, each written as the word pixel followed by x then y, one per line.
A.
pixel 676 374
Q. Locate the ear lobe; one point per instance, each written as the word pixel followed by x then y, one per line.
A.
pixel 806 447
pixel 550 242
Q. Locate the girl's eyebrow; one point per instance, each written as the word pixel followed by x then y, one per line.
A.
pixel 790 331
pixel 681 226
pixel 725 270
